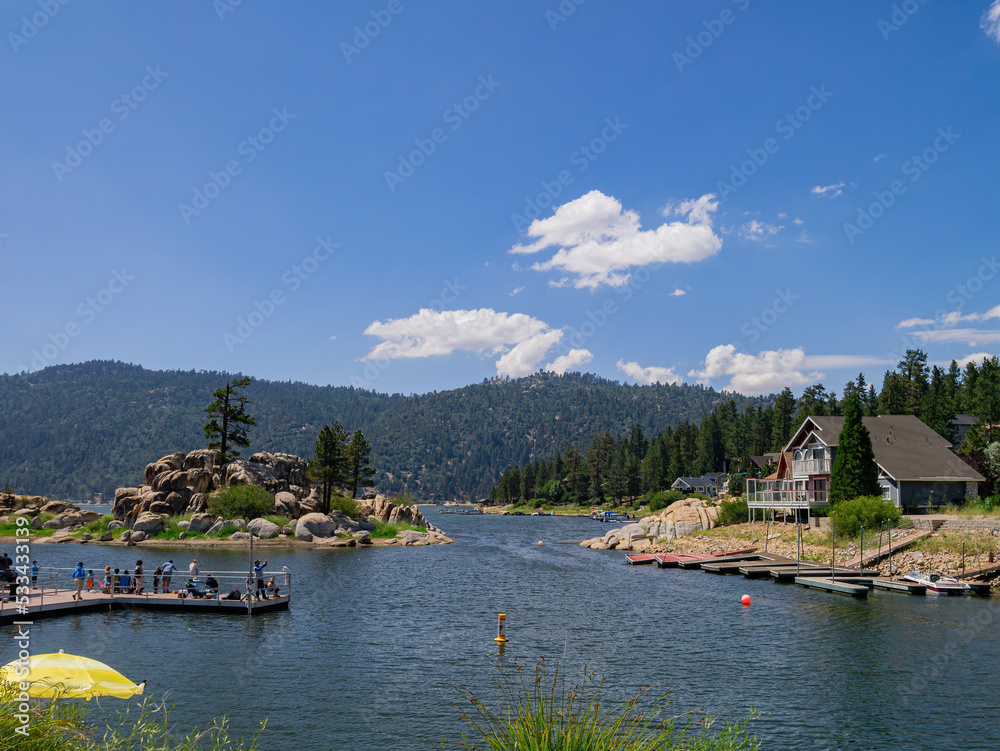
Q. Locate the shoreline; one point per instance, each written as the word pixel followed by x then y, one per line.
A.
pixel 273 542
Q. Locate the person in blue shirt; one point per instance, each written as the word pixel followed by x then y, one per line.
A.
pixel 79 577
pixel 168 570
pixel 258 568
pixel 34 574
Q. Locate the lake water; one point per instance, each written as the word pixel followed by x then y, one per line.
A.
pixel 367 654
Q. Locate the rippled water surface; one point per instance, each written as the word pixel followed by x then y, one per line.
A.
pixel 367 654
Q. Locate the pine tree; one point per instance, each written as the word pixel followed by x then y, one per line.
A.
pixel 854 472
pixel 229 407
pixel 711 453
pixel 782 427
pixel 359 463
pixel 328 467
pixel 892 398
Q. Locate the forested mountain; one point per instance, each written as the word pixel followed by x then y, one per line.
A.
pixel 70 431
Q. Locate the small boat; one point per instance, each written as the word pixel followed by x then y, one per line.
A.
pixel 938 584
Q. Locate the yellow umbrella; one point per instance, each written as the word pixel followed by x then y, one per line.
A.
pixel 63 676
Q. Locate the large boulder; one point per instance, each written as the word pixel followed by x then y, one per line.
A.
pixel 312 526
pixel 169 481
pixel 201 459
pixel 178 500
pixel 243 472
pixel 286 504
pixel 263 528
pixel 125 501
pixel 200 523
pixel 199 480
pixel 149 523
pixel 57 507
pixel 71 519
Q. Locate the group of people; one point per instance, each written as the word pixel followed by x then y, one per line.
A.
pixel 134 582
pixel 9 575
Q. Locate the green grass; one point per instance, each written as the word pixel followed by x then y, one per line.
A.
pixel 951 542
pixel 385 530
pixel 98 526
pixel 545 714
pixel 63 725
pixel 10 529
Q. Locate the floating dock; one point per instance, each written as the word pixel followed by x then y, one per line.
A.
pixel 640 559
pixel 840 587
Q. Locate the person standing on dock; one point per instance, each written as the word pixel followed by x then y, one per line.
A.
pixel 140 581
pixel 79 576
pixel 34 574
pixel 258 568
pixel 168 570
pixel 156 579
pixel 193 568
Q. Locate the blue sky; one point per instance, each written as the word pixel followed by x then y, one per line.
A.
pixel 409 196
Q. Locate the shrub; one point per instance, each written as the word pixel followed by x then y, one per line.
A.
pixel 241 502
pixel 664 498
pixel 345 505
pixel 735 511
pixel 864 511
pixel 546 714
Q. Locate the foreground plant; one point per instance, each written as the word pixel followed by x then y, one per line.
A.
pixel 62 725
pixel 547 716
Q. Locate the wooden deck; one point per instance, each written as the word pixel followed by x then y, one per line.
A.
pixel 840 587
pixel 874 556
pixel 53 605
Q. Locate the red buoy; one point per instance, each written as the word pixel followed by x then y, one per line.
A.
pixel 745 599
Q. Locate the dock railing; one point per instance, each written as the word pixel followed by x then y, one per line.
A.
pixel 52 581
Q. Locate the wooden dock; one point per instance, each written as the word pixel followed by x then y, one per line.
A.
pixel 54 605
pixel 840 587
pixel 735 563
pixel 874 556
pixel 788 573
pixel 640 559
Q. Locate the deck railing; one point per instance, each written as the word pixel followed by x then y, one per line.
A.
pixel 778 494
pixel 807 467
pixel 52 581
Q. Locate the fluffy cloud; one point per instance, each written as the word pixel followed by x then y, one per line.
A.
pixel 877 158
pixel 834 190
pixel 517 291
pixel 909 323
pixel 758 231
pixel 597 242
pixel 678 293
pixel 649 375
pixel 770 370
pixel 522 341
pixel 572 359
pixel 803 237
pixel 950 320
pixel 976 357
pixel 972 336
pixel 798 221
pixel 991 21
pixel 845 361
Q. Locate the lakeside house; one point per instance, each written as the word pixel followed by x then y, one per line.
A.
pixel 917 468
pixel 708 484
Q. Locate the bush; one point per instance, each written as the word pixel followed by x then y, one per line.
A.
pixel 664 498
pixel 241 502
pixel 735 511
pixel 547 714
pixel 345 505
pixel 867 511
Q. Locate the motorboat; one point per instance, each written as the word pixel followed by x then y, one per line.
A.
pixel 938 584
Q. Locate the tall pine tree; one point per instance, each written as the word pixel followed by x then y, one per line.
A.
pixel 854 472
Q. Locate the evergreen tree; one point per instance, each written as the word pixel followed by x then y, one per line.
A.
pixel 871 404
pixel 711 453
pixel 598 458
pixel 913 377
pixel 813 402
pixel 782 427
pixel 328 467
pixel 854 472
pixel 229 407
pixel 654 467
pixel 528 482
pixel 892 398
pixel 359 463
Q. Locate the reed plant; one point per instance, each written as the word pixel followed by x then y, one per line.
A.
pixel 545 715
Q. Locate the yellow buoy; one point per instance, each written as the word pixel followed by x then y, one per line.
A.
pixel 501 621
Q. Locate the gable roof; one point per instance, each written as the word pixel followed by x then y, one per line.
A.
pixel 905 448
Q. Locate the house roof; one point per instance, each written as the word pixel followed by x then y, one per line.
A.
pixel 905 448
pixel 964 420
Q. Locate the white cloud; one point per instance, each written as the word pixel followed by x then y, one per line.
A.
pixel 597 242
pixel 797 221
pixel 976 357
pixel 909 323
pixel 757 231
pixel 835 362
pixel 803 237
pixel 950 320
pixel 648 376
pixel 517 291
pixel 782 215
pixel 880 156
pixel 572 359
pixel 959 335
pixel 834 190
pixel 522 341
pixel 678 293
pixel 991 21
pixel 768 371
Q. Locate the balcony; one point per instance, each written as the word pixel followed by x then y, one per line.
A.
pixel 807 467
pixel 779 494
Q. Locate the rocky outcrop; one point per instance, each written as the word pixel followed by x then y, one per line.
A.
pixel 149 523
pixel 71 518
pixel 679 519
pixel 178 483
pixel 384 509
pixel 263 529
